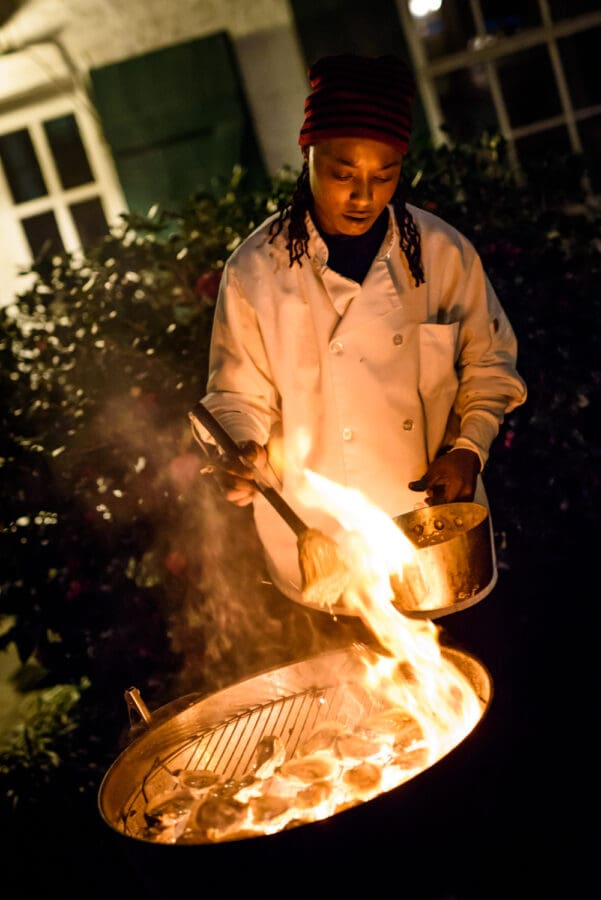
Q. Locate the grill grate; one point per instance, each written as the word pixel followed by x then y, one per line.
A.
pixel 229 747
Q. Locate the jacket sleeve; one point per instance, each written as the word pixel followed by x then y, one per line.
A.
pixel 489 384
pixel 240 390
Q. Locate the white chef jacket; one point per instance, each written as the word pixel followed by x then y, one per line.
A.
pixel 361 383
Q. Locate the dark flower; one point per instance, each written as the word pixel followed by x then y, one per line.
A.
pixel 207 285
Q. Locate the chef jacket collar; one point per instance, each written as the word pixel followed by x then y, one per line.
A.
pixel 320 253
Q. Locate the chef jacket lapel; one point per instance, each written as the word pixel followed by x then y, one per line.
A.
pixel 384 292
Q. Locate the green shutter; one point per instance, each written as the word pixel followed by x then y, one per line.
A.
pixel 176 120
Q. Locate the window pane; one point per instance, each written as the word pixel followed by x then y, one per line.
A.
pixel 466 104
pixel 68 150
pixel 42 233
pixel 21 166
pixel 90 221
pixel 566 9
pixel 590 135
pixel 580 57
pixel 529 87
pixel 448 30
pixel 535 148
pixel 504 18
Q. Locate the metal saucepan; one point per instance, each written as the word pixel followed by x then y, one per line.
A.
pixel 454 563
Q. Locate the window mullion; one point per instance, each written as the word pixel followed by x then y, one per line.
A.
pixel 45 158
pixel 496 91
pixel 560 79
pixel 421 66
pixel 506 46
pixel 56 195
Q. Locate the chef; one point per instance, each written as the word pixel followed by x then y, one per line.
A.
pixel 356 335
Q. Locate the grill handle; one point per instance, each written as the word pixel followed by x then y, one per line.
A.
pixel 134 702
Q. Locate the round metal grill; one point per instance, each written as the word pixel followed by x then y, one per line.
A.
pixel 221 733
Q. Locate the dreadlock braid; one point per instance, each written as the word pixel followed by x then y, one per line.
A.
pixel 294 213
pixel 410 241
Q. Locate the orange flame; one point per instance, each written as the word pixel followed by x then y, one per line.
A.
pixel 416 676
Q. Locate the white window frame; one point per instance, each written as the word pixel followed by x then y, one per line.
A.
pixel 15 253
pixel 487 51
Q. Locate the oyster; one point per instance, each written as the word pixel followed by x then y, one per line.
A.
pixel 307 769
pixel 322 738
pixel 198 782
pixel 363 780
pixel 395 725
pixel 270 753
pixel 219 817
pixel 168 808
pixel 351 748
pixel 270 811
pixel 314 796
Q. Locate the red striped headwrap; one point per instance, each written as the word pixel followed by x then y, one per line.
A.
pixel 358 96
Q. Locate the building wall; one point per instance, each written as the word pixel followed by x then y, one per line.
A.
pixel 49 47
pixel 99 32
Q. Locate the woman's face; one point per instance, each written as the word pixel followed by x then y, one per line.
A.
pixel 352 180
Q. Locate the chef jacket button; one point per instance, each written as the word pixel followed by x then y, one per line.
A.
pixel 397 339
pixel 347 434
pixel 336 347
pixel 408 425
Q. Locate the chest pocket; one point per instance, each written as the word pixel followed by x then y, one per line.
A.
pixel 437 379
pixel 437 359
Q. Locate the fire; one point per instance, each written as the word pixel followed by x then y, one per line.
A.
pixel 421 706
pixel 416 676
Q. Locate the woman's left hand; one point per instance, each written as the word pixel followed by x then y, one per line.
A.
pixel 451 478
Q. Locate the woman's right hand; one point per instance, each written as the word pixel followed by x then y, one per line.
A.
pixel 235 473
